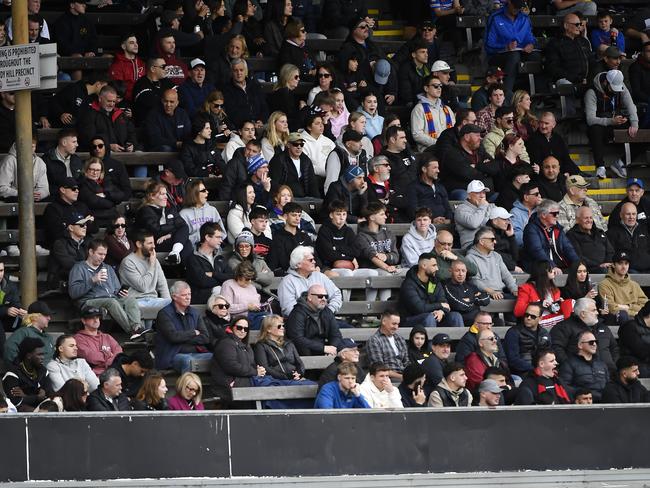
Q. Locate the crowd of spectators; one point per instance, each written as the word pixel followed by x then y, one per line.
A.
pixel 186 88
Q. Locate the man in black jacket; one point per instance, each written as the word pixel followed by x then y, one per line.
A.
pixel 338 14
pixel 640 78
pixel 286 239
pixel 552 185
pixel 26 382
pixel 65 208
pixel 590 242
pixel 626 387
pixel 403 171
pixel 168 125
pixel 469 342
pixel 67 104
pixel 108 397
pixel 543 386
pixel 237 168
pixel 62 161
pixel 435 364
pixel 75 32
pixel 359 44
pixel 634 339
pixel 283 169
pixel 585 369
pixel 567 56
pixel 631 236
pixel 311 324
pixel 429 192
pixel 67 250
pixel 544 143
pixel 348 351
pixel 206 267
pixel 464 297
pixel 10 309
pixel 244 98
pixel 422 298
pixel 412 72
pixel 148 90
pixel 635 191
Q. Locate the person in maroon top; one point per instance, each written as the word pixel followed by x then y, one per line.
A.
pixel 119 244
pixel 189 391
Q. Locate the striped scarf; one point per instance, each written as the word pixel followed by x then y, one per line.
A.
pixel 428 116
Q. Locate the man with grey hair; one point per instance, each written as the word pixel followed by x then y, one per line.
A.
pixel 564 336
pixel 576 198
pixel 108 397
pixel 381 189
pixel 473 213
pixel 545 240
pixel 492 274
pixel 148 90
pixel 302 274
pixel 590 242
pixel 182 336
pixel 244 99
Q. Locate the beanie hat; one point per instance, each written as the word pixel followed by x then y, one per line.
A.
pixel 351 173
pixel 255 163
pixel 245 236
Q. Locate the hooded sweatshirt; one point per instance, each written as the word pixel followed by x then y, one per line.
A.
pixel 444 396
pixel 601 107
pixel 413 244
pixel 443 118
pixel 9 176
pixel 622 291
pixel 380 399
pixel 369 244
pixel 317 150
pixel 127 70
pixel 492 271
pixel 197 216
pixel 374 123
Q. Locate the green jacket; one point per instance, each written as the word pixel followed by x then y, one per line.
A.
pixel 14 340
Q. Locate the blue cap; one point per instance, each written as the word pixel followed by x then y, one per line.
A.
pixel 347 344
pixel 635 181
pixel 352 172
pixel 255 163
pixel 382 71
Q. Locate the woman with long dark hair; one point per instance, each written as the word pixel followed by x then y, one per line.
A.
pixel 242 203
pixel 72 395
pixel 276 16
pixel 541 288
pixel 119 244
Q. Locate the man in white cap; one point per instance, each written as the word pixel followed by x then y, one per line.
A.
pixel 442 70
pixel 576 197
pixel 609 106
pixel 195 90
pixel 506 243
pixel 473 213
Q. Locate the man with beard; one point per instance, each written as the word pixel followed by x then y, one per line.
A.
pixel 429 192
pixel 626 387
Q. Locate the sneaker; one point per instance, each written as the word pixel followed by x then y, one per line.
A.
pixel 601 173
pixel 619 169
pixel 40 251
pixel 173 259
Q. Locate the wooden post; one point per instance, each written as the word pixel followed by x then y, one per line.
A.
pixel 25 168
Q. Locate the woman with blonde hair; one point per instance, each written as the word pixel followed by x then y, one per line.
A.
pixel 281 197
pixel 277 135
pixel 151 395
pixel 197 211
pixel 221 125
pixel 284 98
pixel 525 121
pixel 275 353
pixel 189 392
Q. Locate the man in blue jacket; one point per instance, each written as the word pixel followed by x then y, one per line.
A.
pixel 195 89
pixel 545 239
pixel 509 40
pixel 168 126
pixel 342 393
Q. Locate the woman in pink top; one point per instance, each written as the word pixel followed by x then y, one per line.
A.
pixel 189 391
pixel 242 295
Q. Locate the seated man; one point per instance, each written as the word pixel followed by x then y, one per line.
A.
pixel 509 40
pixel 143 275
pixel 489 394
pixel 384 189
pixel 132 368
pixel 639 75
pixel 429 192
pixel 486 117
pixel 419 239
pixel 93 284
pixel 529 199
pixel 544 142
pixel 66 251
pixel 543 385
pixel 311 325
pixel 492 274
pixel 522 341
pixel 605 101
pixel 635 193
pixel 206 268
pixel 430 116
pixel 631 236
pixel 590 242
pixel 286 239
pixel 402 159
pixel 293 168
pixel 66 104
pixel 127 66
pixel 451 391
pixel 564 336
pixel 301 276
pixel 349 153
pixel 67 365
pixel 109 396
pixel 26 382
pixel 168 125
pixel 552 185
pixel 422 297
pixel 342 393
pixel 387 346
pixel 435 364
pixel 411 388
pixel 35 327
pixel 412 72
pixel 9 176
pixel 626 387
pixel 348 351
pixel 504 119
pixel 469 342
pixel 464 297
pixel 583 396
pixel 506 242
pixel 148 89
pixel 181 334
pixel 473 213
pixel 97 348
pixel 585 369
pixel 442 250
pixel 378 390
pixel 575 198
pixel 545 240
pixel 477 362
pixel 352 189
pixel 621 295
pixel 195 89
pixel 493 75
pixel 631 338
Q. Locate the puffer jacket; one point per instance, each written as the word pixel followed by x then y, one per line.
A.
pixel 202 160
pixel 233 364
pixel 635 242
pixel 593 247
pixel 280 361
pixel 521 344
pixel 634 339
pixel 577 372
pixel 416 297
pixel 115 126
pixel 567 58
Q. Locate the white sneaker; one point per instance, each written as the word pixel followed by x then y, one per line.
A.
pixel 13 250
pixel 601 173
pixel 619 169
pixel 40 251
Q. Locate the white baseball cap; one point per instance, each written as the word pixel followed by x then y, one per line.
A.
pixel 615 80
pixel 440 65
pixel 197 62
pixel 499 213
pixel 476 186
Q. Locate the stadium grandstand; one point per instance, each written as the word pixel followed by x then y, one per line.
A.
pixel 431 206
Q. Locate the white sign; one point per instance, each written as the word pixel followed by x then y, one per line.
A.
pixel 19 67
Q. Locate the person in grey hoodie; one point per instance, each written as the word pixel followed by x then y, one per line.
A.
pixel 609 106
pixel 426 132
pixel 93 284
pixel 472 213
pixel 493 276
pixel 419 239
pixel 302 274
pixel 9 176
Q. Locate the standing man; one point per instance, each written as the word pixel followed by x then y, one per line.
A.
pixel 387 346
pixel 127 66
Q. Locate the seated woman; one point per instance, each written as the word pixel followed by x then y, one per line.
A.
pixel 579 285
pixel 278 355
pixel 370 109
pixel 293 50
pixel 240 207
pixel 119 244
pixel 284 97
pixel 220 124
pixel 189 392
pixel 525 121
pixel 541 288
pixel 217 318
pixel 317 146
pixel 325 81
pixel 418 344
pixel 276 15
pixel 281 197
pixel 72 396
pixel 357 122
pixel 238 139
pixel 197 211
pixel 169 229
pixel 151 395
pixel 242 295
pixel 243 252
pixel 277 135
pixel 339 114
pixel 379 141
pixel 100 196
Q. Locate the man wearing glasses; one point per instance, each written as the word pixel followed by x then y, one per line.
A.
pixel 65 210
pixel 148 90
pixel 529 199
pixel 545 240
pixel 430 116
pixel 524 340
pixel 585 369
pixel 67 250
pixel 504 118
pixel 469 342
pixel 294 168
pixel 485 357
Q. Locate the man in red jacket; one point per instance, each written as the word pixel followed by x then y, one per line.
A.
pixel 127 66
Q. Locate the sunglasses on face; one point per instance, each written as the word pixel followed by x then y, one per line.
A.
pixel 427 29
pixel 320 296
pixel 217 105
pixel 241 327
pixel 591 343
pixel 222 306
pixel 80 225
pixel 119 226
pixel 98 146
pixel 73 188
pixel 530 316
pixel 437 86
pixel 296 77
pixel 279 326
pixel 324 75
pixel 297 144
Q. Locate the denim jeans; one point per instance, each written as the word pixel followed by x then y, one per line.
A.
pixel 182 362
pixel 451 319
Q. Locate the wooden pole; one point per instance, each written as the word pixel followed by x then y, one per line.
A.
pixel 25 168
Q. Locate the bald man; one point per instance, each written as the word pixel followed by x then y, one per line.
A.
pixel 167 126
pixel 631 236
pixel 442 248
